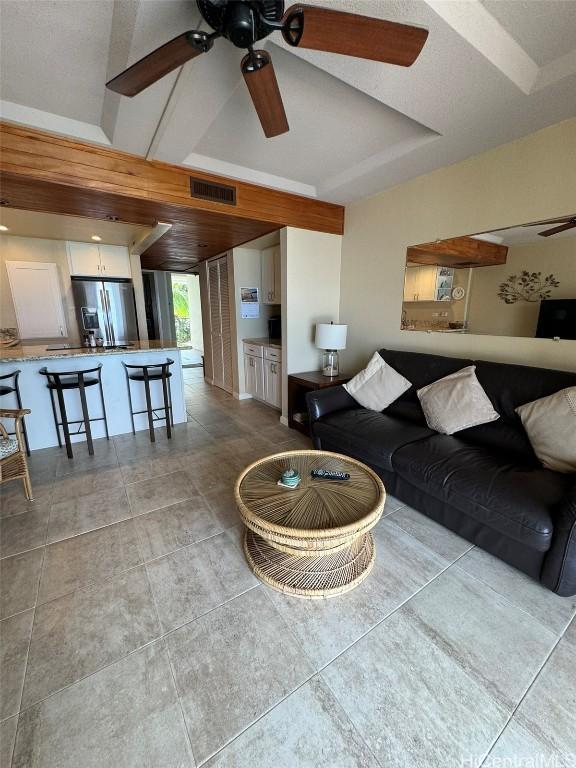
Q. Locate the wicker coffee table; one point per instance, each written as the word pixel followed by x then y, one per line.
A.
pixel 314 540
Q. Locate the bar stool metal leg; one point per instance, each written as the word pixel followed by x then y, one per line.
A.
pixel 64 419
pixel 166 407
pixel 131 406
pixel 149 407
pixel 55 418
pixel 85 415
pixel 24 431
pixel 170 401
pixel 104 409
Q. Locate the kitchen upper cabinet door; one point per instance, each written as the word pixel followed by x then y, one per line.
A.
pixel 114 261
pixel 427 283
pixel 411 283
pixel 84 259
pixel 277 276
pixel 268 276
pixel 37 298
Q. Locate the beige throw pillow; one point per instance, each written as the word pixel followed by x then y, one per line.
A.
pixel 378 385
pixel 456 402
pixel 550 424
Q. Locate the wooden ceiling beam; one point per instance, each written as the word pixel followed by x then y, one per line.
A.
pixel 459 252
pixel 46 157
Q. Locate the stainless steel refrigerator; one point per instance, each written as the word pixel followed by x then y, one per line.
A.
pixel 106 307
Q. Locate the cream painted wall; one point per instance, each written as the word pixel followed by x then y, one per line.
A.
pixel 248 274
pixel 310 294
pixel 489 314
pixel 530 179
pixel 136 270
pixel 14 248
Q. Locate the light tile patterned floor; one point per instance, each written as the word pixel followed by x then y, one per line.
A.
pixel 134 634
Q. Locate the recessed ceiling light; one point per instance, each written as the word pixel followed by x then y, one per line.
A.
pixel 3 228
pixel 97 238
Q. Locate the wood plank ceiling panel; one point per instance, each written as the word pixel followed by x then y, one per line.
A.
pixel 196 235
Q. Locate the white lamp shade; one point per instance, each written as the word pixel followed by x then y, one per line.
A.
pixel 331 336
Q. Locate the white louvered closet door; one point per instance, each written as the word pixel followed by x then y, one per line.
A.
pixel 215 322
pixel 226 329
pixel 220 325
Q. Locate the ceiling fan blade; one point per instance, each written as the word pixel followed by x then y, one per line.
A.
pixel 556 230
pixel 322 29
pixel 560 220
pixel 260 78
pixel 160 62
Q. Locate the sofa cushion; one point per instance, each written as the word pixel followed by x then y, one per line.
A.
pixel 515 499
pixel 551 426
pixel 377 385
pixel 367 435
pixel 456 402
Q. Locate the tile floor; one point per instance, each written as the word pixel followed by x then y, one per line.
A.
pixel 134 634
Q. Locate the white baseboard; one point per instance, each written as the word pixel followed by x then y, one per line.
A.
pixel 242 396
pixel 284 420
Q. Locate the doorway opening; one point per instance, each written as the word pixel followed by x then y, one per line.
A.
pixel 188 318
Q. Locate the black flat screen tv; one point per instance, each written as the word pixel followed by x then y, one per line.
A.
pixel 557 318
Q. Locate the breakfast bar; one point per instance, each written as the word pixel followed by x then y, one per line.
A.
pixel 35 394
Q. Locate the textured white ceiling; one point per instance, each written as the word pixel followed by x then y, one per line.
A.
pixel 491 71
pixel 546 29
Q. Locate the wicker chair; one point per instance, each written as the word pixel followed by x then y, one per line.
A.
pixel 13 463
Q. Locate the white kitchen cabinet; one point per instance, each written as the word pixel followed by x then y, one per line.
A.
pixel 263 373
pixel 273 383
pixel 115 261
pixel 271 276
pixel 254 376
pixel 103 261
pixel 83 259
pixel 37 297
pixel 420 283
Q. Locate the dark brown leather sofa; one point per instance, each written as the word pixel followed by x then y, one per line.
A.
pixel 484 483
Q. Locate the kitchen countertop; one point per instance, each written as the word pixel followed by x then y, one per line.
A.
pixel 265 342
pixel 21 353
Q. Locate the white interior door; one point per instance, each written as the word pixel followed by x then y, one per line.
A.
pixel 215 323
pixel 37 298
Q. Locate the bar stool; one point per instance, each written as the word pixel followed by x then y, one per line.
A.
pixel 148 373
pixel 60 381
pixel 9 388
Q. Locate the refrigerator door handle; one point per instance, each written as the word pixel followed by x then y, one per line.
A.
pixel 106 323
pixel 110 323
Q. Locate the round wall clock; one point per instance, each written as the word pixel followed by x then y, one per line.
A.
pixel 458 292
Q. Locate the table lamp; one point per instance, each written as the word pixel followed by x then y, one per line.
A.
pixel 330 338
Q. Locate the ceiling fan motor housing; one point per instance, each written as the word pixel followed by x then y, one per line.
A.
pixel 243 22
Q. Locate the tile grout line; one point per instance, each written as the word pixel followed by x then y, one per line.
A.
pixel 161 637
pixel 526 692
pixel 516 606
pixel 27 659
pixel 170 665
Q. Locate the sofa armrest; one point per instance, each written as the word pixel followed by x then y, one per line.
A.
pixel 321 402
pixel 559 570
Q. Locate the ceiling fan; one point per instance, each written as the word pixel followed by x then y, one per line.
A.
pixel 564 224
pixel 244 22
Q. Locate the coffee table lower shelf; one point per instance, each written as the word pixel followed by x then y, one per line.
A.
pixel 313 575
